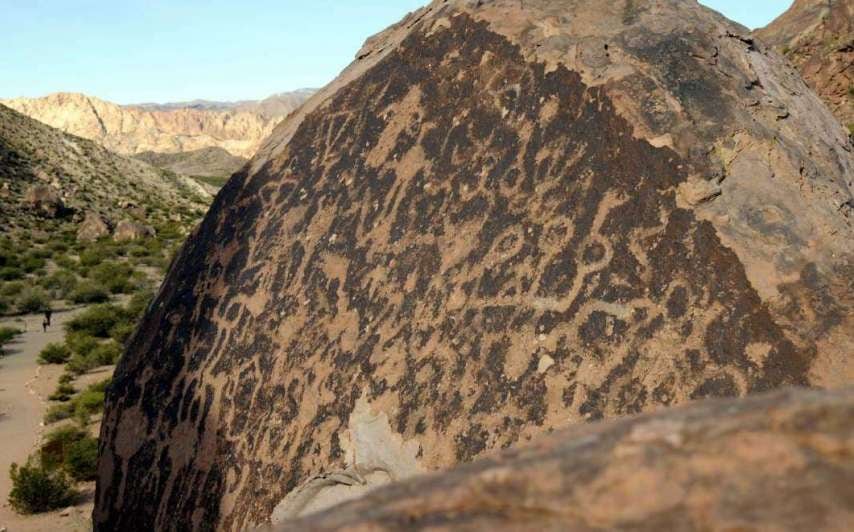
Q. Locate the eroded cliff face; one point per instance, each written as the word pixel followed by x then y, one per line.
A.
pixel 133 130
pixel 503 219
pixel 818 37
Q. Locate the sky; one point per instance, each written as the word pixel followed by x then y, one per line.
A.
pixel 137 51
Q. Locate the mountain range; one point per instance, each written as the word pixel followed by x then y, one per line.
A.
pixel 237 128
pixel 47 173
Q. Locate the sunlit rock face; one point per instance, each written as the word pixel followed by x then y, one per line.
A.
pixel 504 218
pixel 817 36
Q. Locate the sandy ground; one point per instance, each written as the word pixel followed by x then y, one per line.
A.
pixel 24 388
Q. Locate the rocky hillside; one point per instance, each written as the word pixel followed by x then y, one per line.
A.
pixel 45 173
pixel 213 163
pixel 504 218
pixel 777 462
pixel 131 130
pixel 818 37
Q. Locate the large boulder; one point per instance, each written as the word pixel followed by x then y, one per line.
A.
pixel 128 231
pixel 93 227
pixel 44 200
pixel 777 462
pixel 503 219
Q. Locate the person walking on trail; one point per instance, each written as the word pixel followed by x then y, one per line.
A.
pixel 47 314
pixel 45 323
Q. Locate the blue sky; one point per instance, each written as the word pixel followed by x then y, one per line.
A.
pixel 133 51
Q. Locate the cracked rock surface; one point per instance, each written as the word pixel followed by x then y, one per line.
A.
pixel 504 218
pixel 781 461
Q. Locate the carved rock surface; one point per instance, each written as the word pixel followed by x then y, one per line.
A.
pixel 478 231
pixel 781 461
pixel 817 36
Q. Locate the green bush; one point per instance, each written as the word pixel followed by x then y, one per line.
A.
pixel 5 305
pixel 122 332
pixel 33 264
pixel 94 256
pixel 11 273
pixel 80 364
pixel 7 333
pixel 88 293
pixel 54 354
pixel 62 282
pixel 139 303
pixel 12 288
pixel 81 460
pixel 58 413
pixel 80 343
pixel 88 403
pixel 106 354
pixel 64 261
pixel 41 253
pixel 58 246
pixel 33 300
pixel 35 489
pixel 63 393
pixel 97 321
pixel 58 442
pixel 114 276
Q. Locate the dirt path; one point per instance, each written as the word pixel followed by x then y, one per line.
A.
pixel 24 388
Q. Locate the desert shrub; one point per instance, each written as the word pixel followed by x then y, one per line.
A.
pixel 58 246
pixel 138 251
pixel 100 386
pixel 7 333
pixel 54 354
pixel 80 364
pixel 7 258
pixel 122 332
pixel 81 460
pixel 33 300
pixel 61 282
pixel 63 392
pixel 36 489
pixel 5 305
pixel 58 412
pixel 106 354
pixel 88 403
pixel 80 343
pixel 40 253
pixel 88 293
pixel 32 264
pixel 139 303
pixel 12 288
pixel 57 444
pixel 114 276
pixel 66 378
pixel 66 262
pixel 93 256
pixel 11 273
pixel 97 321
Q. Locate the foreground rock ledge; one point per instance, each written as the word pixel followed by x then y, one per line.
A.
pixel 780 461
